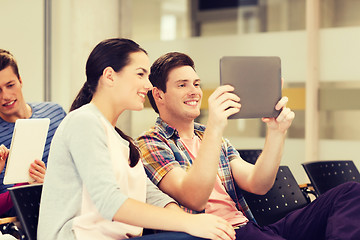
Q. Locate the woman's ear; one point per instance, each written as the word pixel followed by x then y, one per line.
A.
pixel 108 75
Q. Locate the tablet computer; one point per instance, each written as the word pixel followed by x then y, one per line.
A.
pixel 257 81
pixel 27 144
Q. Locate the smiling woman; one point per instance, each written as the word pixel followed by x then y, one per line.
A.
pixel 109 196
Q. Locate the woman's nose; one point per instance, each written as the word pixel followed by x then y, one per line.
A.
pixel 148 86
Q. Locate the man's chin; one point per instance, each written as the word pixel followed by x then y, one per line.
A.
pixel 193 115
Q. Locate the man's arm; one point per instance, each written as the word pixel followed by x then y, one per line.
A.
pixel 259 178
pixel 192 188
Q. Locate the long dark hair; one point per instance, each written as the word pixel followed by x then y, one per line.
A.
pixel 112 53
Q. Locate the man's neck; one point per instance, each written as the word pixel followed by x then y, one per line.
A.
pixel 185 128
pixel 24 112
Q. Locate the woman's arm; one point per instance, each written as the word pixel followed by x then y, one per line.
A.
pixel 201 225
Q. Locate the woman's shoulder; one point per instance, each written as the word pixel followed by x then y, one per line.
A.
pixel 84 114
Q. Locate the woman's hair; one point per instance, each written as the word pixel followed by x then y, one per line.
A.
pixel 114 53
pixel 161 68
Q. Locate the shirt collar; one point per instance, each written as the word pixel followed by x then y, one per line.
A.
pixel 169 131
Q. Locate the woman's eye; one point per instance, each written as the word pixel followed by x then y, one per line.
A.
pixel 141 74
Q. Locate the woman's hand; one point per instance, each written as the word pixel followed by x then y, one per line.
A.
pixel 37 171
pixel 210 227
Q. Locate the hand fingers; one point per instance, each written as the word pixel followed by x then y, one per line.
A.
pixel 225 232
pixel 285 115
pixel 37 176
pixel 39 166
pixel 220 90
pixel 40 163
pixel 222 94
pixel 224 101
pixel 37 171
pixel 227 96
pixel 282 103
pixel 4 152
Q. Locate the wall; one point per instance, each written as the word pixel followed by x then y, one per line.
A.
pixel 77 27
pixel 22 33
pixel 339 60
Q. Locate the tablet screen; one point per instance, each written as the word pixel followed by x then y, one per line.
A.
pixel 257 81
pixel 27 144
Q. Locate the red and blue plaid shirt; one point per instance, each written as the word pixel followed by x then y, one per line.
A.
pixel 162 151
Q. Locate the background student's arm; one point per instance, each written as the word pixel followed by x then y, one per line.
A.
pixel 4 152
pixel 37 171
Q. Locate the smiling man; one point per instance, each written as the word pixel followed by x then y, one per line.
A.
pixel 12 107
pixel 200 169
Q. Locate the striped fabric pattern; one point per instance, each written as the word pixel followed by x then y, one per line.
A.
pixel 162 151
pixel 39 110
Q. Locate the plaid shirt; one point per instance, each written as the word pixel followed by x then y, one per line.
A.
pixel 162 151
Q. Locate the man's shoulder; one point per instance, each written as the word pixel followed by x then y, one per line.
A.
pixel 152 132
pixel 199 127
pixel 47 109
pixel 42 105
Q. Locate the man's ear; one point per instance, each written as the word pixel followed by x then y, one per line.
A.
pixel 158 94
pixel 108 75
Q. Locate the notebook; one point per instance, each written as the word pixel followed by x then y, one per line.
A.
pixel 27 144
pixel 257 81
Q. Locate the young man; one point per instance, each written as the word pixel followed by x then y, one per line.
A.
pixel 13 107
pixel 199 168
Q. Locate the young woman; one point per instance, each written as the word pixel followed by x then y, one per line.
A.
pixel 95 186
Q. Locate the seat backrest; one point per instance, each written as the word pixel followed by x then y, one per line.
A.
pixel 325 175
pixel 284 197
pixel 26 201
pixel 249 155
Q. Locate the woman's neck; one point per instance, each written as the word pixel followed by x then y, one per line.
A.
pixel 107 110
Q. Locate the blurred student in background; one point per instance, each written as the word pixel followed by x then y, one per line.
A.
pixel 12 107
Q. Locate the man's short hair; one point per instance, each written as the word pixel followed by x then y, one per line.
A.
pixel 160 70
pixel 7 59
